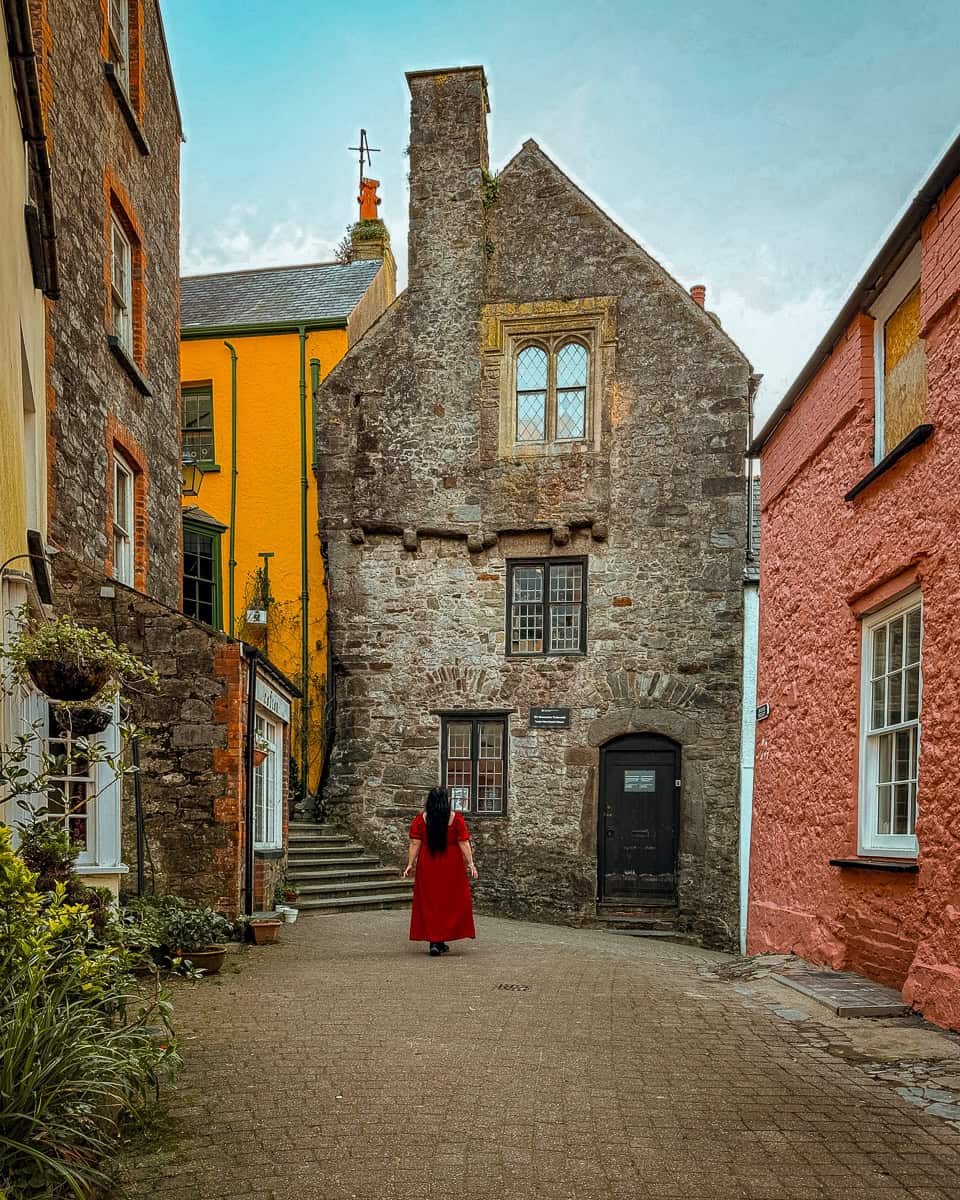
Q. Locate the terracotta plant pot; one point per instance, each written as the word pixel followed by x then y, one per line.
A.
pixel 258 757
pixel 291 897
pixel 65 680
pixel 82 719
pixel 266 930
pixel 209 959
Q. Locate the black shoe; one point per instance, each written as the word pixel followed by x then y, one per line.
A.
pixel 444 948
pixel 434 949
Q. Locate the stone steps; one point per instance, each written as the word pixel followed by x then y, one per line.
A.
pixel 335 874
pixel 650 920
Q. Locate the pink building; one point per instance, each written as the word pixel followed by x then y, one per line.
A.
pixel 855 855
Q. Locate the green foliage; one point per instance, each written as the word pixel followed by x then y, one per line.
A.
pixel 489 188
pixel 168 924
pixel 369 231
pixel 66 640
pixel 76 1066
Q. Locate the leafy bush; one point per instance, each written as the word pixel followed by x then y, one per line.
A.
pixel 75 1065
pixel 170 924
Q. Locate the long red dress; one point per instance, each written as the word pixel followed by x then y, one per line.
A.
pixel 442 904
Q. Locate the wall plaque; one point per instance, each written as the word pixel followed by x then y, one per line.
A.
pixel 763 711
pixel 640 781
pixel 549 718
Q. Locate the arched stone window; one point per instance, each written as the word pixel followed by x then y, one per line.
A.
pixel 550 397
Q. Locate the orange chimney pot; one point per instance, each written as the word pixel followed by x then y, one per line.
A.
pixel 369 200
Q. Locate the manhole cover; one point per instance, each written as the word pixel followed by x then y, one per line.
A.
pixel 512 987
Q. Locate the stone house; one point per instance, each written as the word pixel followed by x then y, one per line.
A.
pixel 856 843
pixel 533 502
pixel 113 462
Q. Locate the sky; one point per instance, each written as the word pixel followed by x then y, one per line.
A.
pixel 763 149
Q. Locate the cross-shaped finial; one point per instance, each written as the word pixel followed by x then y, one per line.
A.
pixel 365 150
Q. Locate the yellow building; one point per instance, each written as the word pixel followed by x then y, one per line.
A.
pixel 28 272
pixel 254 345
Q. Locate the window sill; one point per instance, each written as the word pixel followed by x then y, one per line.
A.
pixel 913 439
pixel 93 869
pixel 123 358
pixel 907 866
pixel 270 852
pixel 110 71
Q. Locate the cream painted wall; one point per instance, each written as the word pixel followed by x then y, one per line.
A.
pixel 21 346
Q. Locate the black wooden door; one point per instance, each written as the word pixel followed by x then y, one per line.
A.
pixel 639 818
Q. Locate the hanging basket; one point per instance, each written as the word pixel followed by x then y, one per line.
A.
pixel 81 720
pixel 259 756
pixel 66 680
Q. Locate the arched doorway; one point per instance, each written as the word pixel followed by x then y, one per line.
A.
pixel 638 814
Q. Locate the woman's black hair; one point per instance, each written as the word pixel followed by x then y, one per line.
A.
pixel 438 817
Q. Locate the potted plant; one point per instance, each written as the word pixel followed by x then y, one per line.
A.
pixel 80 720
pixel 73 662
pixel 291 893
pixel 265 929
pixel 261 748
pixel 196 934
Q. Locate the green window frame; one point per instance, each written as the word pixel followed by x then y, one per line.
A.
pixel 202 598
pixel 196 422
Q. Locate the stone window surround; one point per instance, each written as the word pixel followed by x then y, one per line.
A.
pixel 117 207
pixel 120 439
pixel 869 842
pixel 509 328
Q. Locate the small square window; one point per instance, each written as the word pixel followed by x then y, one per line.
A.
pixel 473 752
pixel 547 618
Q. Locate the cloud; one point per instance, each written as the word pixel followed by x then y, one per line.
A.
pixel 238 242
pixel 778 339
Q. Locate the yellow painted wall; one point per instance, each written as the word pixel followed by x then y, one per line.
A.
pixel 21 344
pixel 268 493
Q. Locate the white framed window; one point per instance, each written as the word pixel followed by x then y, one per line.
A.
pixel 120 40
pixel 890 700
pixel 123 529
pixel 899 358
pixel 121 272
pixel 268 784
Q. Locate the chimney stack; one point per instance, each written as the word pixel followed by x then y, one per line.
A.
pixel 699 294
pixel 369 240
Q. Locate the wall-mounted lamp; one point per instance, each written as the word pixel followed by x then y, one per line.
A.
pixel 193 473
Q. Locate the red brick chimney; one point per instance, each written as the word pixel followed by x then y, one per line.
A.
pixel 699 294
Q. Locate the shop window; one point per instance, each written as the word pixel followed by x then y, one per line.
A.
pixel 474 762
pixel 900 360
pixel 196 417
pixel 550 391
pixel 268 785
pixel 201 575
pixel 547 606
pixel 890 728
pixel 123 520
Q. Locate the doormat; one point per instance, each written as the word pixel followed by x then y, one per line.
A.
pixel 847 994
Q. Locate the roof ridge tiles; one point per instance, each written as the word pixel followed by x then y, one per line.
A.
pixel 281 267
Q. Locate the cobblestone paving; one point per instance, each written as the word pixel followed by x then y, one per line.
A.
pixel 536 1062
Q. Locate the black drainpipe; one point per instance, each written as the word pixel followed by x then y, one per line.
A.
pixel 248 860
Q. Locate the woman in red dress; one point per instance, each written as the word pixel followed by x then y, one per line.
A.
pixel 442 905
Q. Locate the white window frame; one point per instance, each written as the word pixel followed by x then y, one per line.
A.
pixel 123 522
pixel 119 33
pixel 268 784
pixel 893 295
pixel 887 845
pixel 121 285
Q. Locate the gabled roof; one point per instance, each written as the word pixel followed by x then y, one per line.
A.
pixel 531 147
pixel 278 296
pixel 887 259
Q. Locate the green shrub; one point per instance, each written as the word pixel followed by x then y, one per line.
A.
pixel 76 1066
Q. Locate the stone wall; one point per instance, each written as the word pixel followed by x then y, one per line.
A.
pixel 194 729
pixel 422 506
pixel 92 401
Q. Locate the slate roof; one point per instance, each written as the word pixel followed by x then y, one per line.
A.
pixel 275 295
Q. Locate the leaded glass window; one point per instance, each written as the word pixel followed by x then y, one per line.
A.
pixel 892 681
pixel 551 392
pixel 474 763
pixel 547 611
